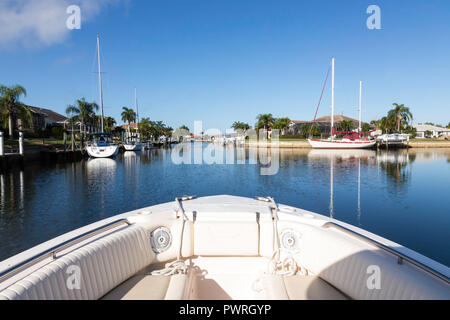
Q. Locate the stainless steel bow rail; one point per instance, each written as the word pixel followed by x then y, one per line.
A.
pixel 396 253
pixel 52 252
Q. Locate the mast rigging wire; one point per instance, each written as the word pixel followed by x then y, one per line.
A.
pixel 320 99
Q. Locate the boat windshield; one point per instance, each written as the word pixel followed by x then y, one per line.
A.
pixel 100 140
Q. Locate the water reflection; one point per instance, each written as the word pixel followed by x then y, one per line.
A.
pixel 2 193
pixel 341 157
pixel 385 192
pixel 96 168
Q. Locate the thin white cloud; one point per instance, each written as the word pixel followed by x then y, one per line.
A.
pixel 31 23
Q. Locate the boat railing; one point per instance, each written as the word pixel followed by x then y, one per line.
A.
pixel 52 252
pixel 400 256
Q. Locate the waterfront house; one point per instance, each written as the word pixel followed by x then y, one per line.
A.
pixel 431 131
pixel 41 119
pixel 47 118
pixel 132 125
pixel 324 123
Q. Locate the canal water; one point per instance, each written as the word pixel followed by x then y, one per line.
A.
pixel 401 195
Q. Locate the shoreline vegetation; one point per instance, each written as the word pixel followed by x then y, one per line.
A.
pixel 82 119
pixel 398 120
pixel 58 145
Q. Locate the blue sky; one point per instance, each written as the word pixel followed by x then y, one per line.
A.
pixel 221 61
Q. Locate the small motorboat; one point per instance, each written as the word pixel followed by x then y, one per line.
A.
pixel 221 247
pixel 394 139
pixel 132 145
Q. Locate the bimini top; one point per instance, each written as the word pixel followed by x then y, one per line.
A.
pixel 99 134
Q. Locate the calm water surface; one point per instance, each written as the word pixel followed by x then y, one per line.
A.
pixel 401 195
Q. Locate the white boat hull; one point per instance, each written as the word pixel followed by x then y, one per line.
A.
pixel 102 152
pixel 335 144
pixel 133 147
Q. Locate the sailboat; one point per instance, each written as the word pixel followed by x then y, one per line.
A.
pixel 132 141
pixel 351 140
pixel 101 144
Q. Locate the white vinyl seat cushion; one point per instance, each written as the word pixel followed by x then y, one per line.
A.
pixel 346 264
pixel 104 264
pixel 147 287
pixel 215 235
pixel 277 287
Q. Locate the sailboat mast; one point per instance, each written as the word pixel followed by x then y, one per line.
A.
pixel 137 109
pixel 332 97
pixel 100 83
pixel 360 105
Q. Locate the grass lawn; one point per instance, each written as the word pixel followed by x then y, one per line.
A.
pixel 293 139
pixel 429 140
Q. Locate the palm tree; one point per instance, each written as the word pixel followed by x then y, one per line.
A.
pixel 145 126
pixel 282 124
pixel 181 132
pixel 237 125
pixel 345 125
pixel 168 131
pixel 365 127
pixel 401 114
pixel 184 127
pixel 84 110
pixel 308 130
pixel 128 115
pixel 160 127
pixel 96 121
pixel 264 121
pixel 110 122
pixel 12 108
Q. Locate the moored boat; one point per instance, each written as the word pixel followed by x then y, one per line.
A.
pixel 101 144
pixel 350 140
pixel 221 247
pixel 133 140
pixel 341 144
pixel 395 139
pixel 130 145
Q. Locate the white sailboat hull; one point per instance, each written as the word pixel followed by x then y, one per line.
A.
pixel 102 152
pixel 133 147
pixel 336 144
